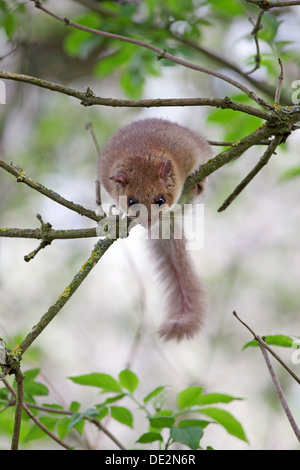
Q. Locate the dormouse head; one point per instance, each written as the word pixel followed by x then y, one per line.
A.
pixel 144 188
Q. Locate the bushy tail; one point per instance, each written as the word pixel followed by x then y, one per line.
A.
pixel 185 296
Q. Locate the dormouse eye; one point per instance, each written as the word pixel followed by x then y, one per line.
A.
pixel 161 201
pixel 131 202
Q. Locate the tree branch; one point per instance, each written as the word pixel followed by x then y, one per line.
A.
pixel 267 5
pixel 281 123
pixel 264 348
pixel 222 143
pixel 19 406
pixel 256 28
pixel 16 171
pixel 280 393
pixel 262 133
pixel 88 98
pixel 262 162
pixel 49 235
pixel 279 85
pixel 267 347
pixel 162 54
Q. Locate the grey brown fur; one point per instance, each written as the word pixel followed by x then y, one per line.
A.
pixel 148 162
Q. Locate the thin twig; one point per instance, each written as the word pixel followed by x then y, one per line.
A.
pixel 280 393
pixel 4 56
pixel 89 127
pixel 270 350
pixel 43 244
pixel 107 432
pixel 18 412
pixel 256 28
pixel 34 252
pixel 279 84
pixel 162 54
pixel 262 162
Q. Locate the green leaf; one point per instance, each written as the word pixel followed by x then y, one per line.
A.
pixel 37 433
pixel 107 65
pixel 62 427
pixel 154 393
pixel 227 420
pixel 122 414
pixel 234 125
pixel 75 419
pixel 77 422
pixel 162 419
pixel 189 397
pixel 150 437
pixel 8 22
pixel 75 406
pixel 90 413
pixel 110 5
pixel 79 43
pixel 188 435
pixel 31 387
pixel 211 398
pixel 112 399
pixel 102 413
pixel 275 340
pixel 269 31
pixel 128 380
pixel 31 374
pixel 290 174
pixel 132 83
pixel 229 8
pixel 193 422
pixel 104 381
pixel 79 426
pixel 35 388
pixel 4 395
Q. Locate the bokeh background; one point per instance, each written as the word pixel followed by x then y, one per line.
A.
pixel 250 261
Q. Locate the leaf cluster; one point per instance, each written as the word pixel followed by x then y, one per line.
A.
pixel 183 424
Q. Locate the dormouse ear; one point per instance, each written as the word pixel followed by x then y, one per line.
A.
pixel 163 169
pixel 120 177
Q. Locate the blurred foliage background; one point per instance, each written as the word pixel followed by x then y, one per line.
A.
pixel 250 261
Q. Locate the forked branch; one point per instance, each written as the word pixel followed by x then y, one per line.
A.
pixel 265 348
pixel 262 162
